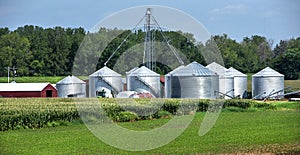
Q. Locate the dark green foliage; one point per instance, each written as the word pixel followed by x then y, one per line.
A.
pixel 38 51
pixel 203 105
pixel 171 105
pixel 164 114
pixel 238 103
pixel 126 116
pixel 263 105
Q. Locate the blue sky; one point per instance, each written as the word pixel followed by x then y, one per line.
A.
pixel 274 19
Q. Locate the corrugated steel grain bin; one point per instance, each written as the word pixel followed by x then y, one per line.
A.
pixel 71 86
pixel 193 81
pixel 266 82
pixel 240 83
pixel 168 82
pixel 105 78
pixel 146 79
pixel 226 81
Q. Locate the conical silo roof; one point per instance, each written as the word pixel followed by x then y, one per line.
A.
pixel 105 71
pixel 193 69
pixel 234 72
pixel 174 70
pixel 70 80
pixel 143 71
pixel 217 68
pixel 132 70
pixel 267 72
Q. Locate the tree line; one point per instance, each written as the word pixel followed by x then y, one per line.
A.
pixel 38 51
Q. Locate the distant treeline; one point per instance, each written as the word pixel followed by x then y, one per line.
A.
pixel 38 51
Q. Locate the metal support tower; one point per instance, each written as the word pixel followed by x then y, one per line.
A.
pixel 149 47
pixel 149 58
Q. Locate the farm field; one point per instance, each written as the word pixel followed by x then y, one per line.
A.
pixel 295 84
pixel 250 131
pixel 29 79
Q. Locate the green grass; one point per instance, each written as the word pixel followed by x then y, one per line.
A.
pixel 234 132
pixel 295 84
pixel 287 105
pixel 38 79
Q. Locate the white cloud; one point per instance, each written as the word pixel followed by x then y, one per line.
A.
pixel 229 9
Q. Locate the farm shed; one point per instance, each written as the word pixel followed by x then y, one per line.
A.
pixel 27 90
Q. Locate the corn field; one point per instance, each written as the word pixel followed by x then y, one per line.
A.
pixel 35 113
pixel 17 113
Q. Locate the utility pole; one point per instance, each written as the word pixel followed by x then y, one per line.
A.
pixel 8 74
pixel 14 69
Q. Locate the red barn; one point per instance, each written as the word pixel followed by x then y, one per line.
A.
pixel 27 90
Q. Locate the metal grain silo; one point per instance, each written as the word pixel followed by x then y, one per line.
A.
pixel 168 82
pixel 193 81
pixel 103 80
pixel 71 86
pixel 146 79
pixel 240 82
pixel 226 81
pixel 127 79
pixel 228 85
pixel 267 83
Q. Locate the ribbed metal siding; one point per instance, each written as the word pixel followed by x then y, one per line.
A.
pixel 194 87
pixel 226 85
pixel 168 82
pixel 197 87
pixel 127 79
pixel 240 86
pixel 193 81
pixel 154 81
pixel 107 78
pixel 240 82
pixel 113 82
pixel 226 81
pixel 267 84
pixel 71 86
pixel 144 78
pixel 76 90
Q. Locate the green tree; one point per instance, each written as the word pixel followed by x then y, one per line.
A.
pixel 14 51
pixel 289 63
pixel 4 31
